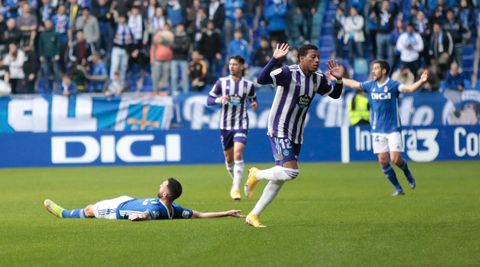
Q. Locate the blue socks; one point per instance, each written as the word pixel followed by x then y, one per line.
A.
pixel 76 214
pixel 404 168
pixel 390 173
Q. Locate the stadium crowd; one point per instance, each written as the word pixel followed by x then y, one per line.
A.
pixel 177 46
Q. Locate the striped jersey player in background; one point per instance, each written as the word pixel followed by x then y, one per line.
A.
pixel 383 95
pixel 296 86
pixel 139 209
pixel 232 93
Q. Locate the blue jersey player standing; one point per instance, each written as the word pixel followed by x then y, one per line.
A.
pixel 383 96
pixel 232 93
pixel 296 86
pixel 139 209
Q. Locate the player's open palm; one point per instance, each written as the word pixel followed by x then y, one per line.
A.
pixel 334 72
pixel 424 76
pixel 280 51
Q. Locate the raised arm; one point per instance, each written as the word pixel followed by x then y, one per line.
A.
pixel 351 84
pixel 280 52
pixel 204 215
pixel 415 86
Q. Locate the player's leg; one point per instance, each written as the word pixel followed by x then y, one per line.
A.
pixel 106 209
pixel 396 148
pixel 60 212
pixel 380 147
pixel 226 138
pixel 238 168
pixel 285 153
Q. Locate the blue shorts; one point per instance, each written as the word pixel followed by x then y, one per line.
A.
pixel 228 137
pixel 284 150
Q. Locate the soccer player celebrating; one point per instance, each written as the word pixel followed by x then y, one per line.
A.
pixel 231 93
pixel 296 86
pixel 136 209
pixel 383 95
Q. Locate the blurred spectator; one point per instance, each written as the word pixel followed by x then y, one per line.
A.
pixel 197 72
pixel 438 11
pixel 155 24
pixel 5 88
pixel 421 24
pixel 385 13
pixel 79 76
pixel 230 18
pixel 122 42
pixel 410 45
pixel 45 11
pixel 354 37
pixel 67 87
pixel 210 46
pixel 31 69
pixel 73 12
pixel 372 26
pixel 14 60
pixel 238 46
pixel 455 79
pixel 306 9
pixel 161 56
pixel 275 13
pixel 394 35
pixel 338 32
pixel 116 85
pixel 135 22
pixel 241 24
pixel 98 73
pixel 181 49
pixel 195 28
pixel 403 75
pixel 27 23
pixel 458 32
pixel 89 25
pixel 191 12
pixel 263 54
pixel 441 47
pixel 10 35
pixel 80 50
pixel 61 25
pixel 174 12
pixel 101 10
pixel 149 8
pixel 466 13
pixel 216 13
pixel 49 53
pixel 359 109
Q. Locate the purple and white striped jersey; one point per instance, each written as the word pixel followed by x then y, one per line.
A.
pixel 293 96
pixel 234 114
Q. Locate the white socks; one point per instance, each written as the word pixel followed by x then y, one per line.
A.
pixel 277 173
pixel 238 173
pixel 269 193
pixel 229 167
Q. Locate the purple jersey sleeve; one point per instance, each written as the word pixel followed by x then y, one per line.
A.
pixel 215 92
pixel 325 88
pixel 252 95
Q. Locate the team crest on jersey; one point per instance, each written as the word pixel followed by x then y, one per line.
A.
pixel 186 214
pixel 235 100
pixel 385 89
pixel 303 101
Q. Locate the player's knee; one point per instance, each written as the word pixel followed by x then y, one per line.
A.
pixel 290 174
pixel 396 160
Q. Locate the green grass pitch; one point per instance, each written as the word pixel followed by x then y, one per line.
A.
pixel 331 215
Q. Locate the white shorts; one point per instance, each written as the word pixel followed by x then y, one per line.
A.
pixel 385 142
pixel 107 209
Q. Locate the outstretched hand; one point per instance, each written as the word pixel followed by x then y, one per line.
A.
pixel 424 76
pixel 334 72
pixel 280 51
pixel 235 213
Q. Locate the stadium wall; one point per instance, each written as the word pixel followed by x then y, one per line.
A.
pixel 203 147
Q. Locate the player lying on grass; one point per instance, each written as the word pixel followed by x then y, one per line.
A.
pixel 383 95
pixel 139 209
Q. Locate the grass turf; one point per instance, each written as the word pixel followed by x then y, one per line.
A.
pixel 332 215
